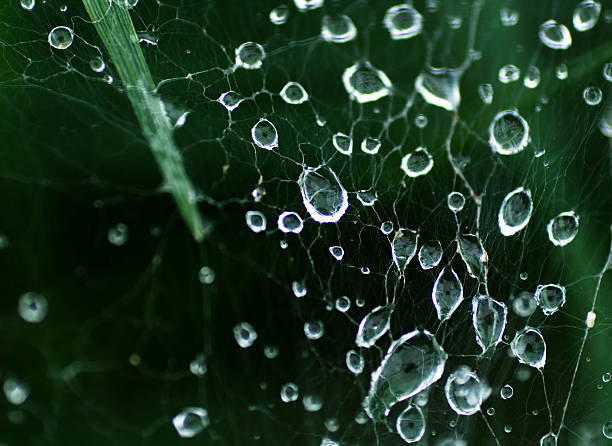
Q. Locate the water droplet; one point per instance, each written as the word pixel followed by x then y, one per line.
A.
pixel 403 247
pixel 515 211
pixel 323 196
pixel 491 411
pixel 343 304
pixel 198 365
pixel 312 403
pixel 555 35
pixel 118 234
pixel 360 302
pixel 489 321
pixel 28 4
pixel 607 71
pixel 61 37
pixel 343 143
pixel 507 428
pixel 289 393
pixel 403 21
pixel 97 64
pixel 464 391
pixel 549 439
pixel 279 15
pixel 412 363
pixel 130 3
pixel 447 293
pixel 524 304
pixel 386 227
pixel 290 221
pixel 230 100
pixel 592 95
pixel 332 425
pixel 455 201
pixel 561 71
pixel 245 334
pixel 32 307
pixel 328 442
pixel 307 5
pixel 485 91
pixel 509 17
pixel 590 319
pixel 454 22
pixel 250 55
pixel 586 15
pixel 430 254
pixel 337 252
pixel 506 392
pixel 256 221
pixel 508 73
pixel 439 88
pixel 354 362
pixel 370 145
pixel 420 121
pixel 299 288
pixel 410 424
pixel 550 298
pixel 16 392
pixel 606 377
pixel 532 78
pixel 264 134
pixel 191 421
pixel 364 83
pixel 529 347
pixel 367 197
pixel 338 28
pixel 206 275
pixel 373 326
pixel 293 93
pixel 417 163
pixel 314 330
pixel 469 247
pixel 271 351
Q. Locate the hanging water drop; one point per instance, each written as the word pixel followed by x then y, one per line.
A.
pixel 364 83
pixel 410 424
pixel 97 64
pixel 386 227
pixel 191 421
pixel 430 254
pixel 515 211
pixel 447 293
pixel 471 250
pixel 370 145
pixel 299 288
pixel 403 21
pixel 403 247
pixel 586 15
pixel 264 134
pixel 61 37
pixel 293 93
pixel 417 163
pixel 32 307
pixel 354 362
pixel 555 35
pixel 343 143
pixel 373 326
pixel 323 196
pixel 338 28
pixel 250 55
pixel 256 221
pixel 532 78
pixel 440 88
pixel 561 71
pixel 489 321
pixel 464 391
pixel 529 347
pixel 245 334
pixel 455 201
pixel 550 298
pixel 485 91
pixel 337 252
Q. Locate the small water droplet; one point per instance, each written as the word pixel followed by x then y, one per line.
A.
pixel 410 424
pixel 307 5
pixel 508 133
pixel 118 234
pixel 455 201
pixel 250 55
pixel 606 377
pixel 32 307
pixel 16 391
pixel 549 439
pixel 264 134
pixel 289 392
pixel 312 403
pixel 206 275
pixel 364 83
pixel 61 37
pixel 343 304
pixel 337 252
pixel 28 5
pixel 489 321
pixel 367 197
pixel 293 93
pixel 314 330
pixel 464 391
pixel 290 221
pixel 403 247
pixel 230 100
pixel 447 293
pixel 417 163
pixel 592 95
pixel 338 28
pixel 191 421
pixel 271 351
pixel 439 87
pixel 606 71
pixel 198 366
pixel 245 334
pixel 279 15
pixel 508 16
pixel 485 91
pixel 420 121
pixel 509 73
pixel 354 362
pixel 506 392
pixel 555 35
pixel 256 221
pixel 386 227
pixel 370 145
pixel 532 78
pixel 343 143
pixel 373 326
pixel 299 288
pixel 97 64
pixel 561 71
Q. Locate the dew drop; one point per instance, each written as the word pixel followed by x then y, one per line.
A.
pixel 447 293
pixel 524 304
pixel 386 227
pixel 343 304
pixel 550 298
pixel 367 197
pixel 206 275
pixel 314 330
pixel 256 221
pixel 354 362
pixel 373 326
pixel 403 21
pixel 271 351
pixel 338 28
pixel 307 5
pixel 549 439
pixel 509 73
pixel 508 133
pixel 190 421
pixel 343 143
pixel 403 247
pixel 455 201
pixel 290 221
pixel 592 95
pixel 439 88
pixel 16 392
pixel 118 234
pixel 245 334
pixel 491 411
pixel 289 392
pixel 293 93
pixel 417 163
pixel 364 83
pixel 410 424
pixel 507 428
pixel 299 288
pixel 32 307
pixel 606 377
pixel 332 425
pixel 61 37
pixel 473 254
pixel 28 5
pixel 370 145
pixel 323 196
pixel 506 392
pixel 489 321
pixel 529 347
pixel 198 366
pixel 264 134
pixel 586 15
pixel 509 17
pixel 464 391
pixel 337 252
pixel 561 71
pixel 97 64
pixel 555 35
pixel 430 254
pixel 250 55
pixel 360 302
pixel 279 15
pixel 312 403
pixel 515 211
pixel 485 91
pixel 532 78
pixel 420 121
pixel 412 363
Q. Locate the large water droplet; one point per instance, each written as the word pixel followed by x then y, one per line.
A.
pixel 279 15
pixel 61 37
pixel 412 363
pixel 264 134
pixel 550 297
pixel 191 421
pixel 439 88
pixel 563 228
pixel 417 163
pixel 489 321
pixel 469 247
pixel 289 392
pixel 403 21
pixel 524 304
pixel 464 391
pixel 32 307
pixel 447 293
pixel 529 347
pixel 515 211
pixel 343 143
pixel 364 83
pixel 410 424
pixel 354 362
pixel 430 254
pixel 293 93
pixel 403 247
pixel 373 326
pixel 256 221
pixel 586 15
pixel 323 196
pixel 555 35
pixel 338 28
pixel 245 334
pixel 250 55
pixel 508 133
